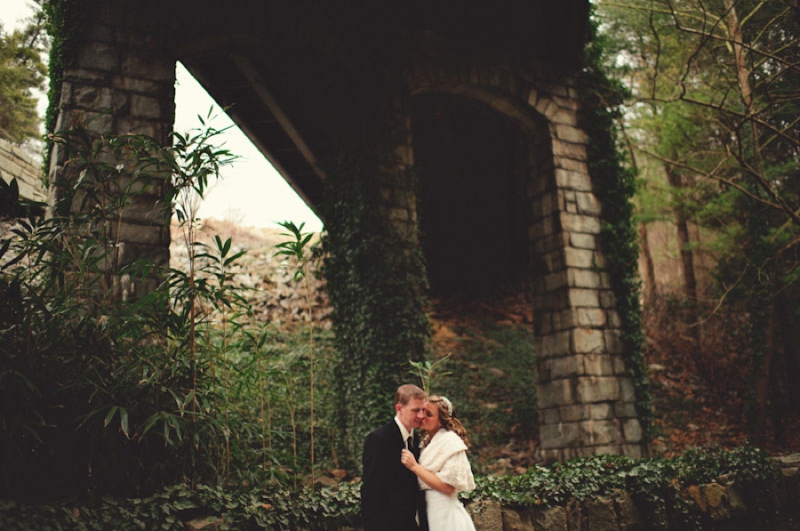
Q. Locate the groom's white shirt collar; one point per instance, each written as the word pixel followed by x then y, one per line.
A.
pixel 403 431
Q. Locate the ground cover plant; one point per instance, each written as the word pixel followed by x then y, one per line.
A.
pixel 659 488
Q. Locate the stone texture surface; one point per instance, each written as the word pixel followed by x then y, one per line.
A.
pixel 122 82
pixel 487 516
pixel 600 515
pixel 715 497
pixel 272 291
pixel 209 523
pixel 552 518
pixel 16 163
pixel 575 515
pixel 516 520
pixel 628 514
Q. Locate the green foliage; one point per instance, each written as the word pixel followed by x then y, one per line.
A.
pixel 657 486
pixel 430 372
pixel 714 105
pixel 64 20
pixel 615 185
pixel 170 507
pixel 21 72
pixel 297 249
pixel 377 290
pixel 99 393
pixel 491 381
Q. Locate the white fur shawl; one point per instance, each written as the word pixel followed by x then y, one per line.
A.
pixel 446 456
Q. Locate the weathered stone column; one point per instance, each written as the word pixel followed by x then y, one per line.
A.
pixel 372 213
pixel 396 172
pixel 121 80
pixel 586 396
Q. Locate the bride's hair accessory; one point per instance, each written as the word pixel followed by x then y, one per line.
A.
pixel 447 404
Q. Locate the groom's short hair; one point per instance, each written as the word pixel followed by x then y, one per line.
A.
pixel 406 392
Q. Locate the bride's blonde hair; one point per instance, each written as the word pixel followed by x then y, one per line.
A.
pixel 447 416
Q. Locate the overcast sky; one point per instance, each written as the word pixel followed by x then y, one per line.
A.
pixel 251 192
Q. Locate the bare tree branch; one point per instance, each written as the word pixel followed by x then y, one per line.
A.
pixel 721 299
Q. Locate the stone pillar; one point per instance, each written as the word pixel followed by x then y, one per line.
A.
pixel 121 80
pixel 390 153
pixel 393 148
pixel 585 393
pixel 586 396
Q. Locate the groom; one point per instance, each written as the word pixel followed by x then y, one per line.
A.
pixel 389 491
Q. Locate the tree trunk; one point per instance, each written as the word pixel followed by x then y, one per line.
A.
pixel 763 376
pixel 649 268
pixel 687 257
pixel 789 330
pixel 762 385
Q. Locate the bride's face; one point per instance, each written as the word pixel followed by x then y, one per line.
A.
pixel 431 422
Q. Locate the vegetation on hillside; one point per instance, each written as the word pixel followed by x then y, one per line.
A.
pixel 709 125
pixel 712 128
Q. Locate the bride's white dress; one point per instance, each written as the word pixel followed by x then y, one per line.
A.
pixel 446 455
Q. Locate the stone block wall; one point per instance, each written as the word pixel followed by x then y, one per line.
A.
pixel 392 144
pixel 17 163
pixel 121 81
pixel 585 392
pixel 720 505
pixel 586 396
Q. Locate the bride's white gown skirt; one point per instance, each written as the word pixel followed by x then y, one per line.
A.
pixel 447 513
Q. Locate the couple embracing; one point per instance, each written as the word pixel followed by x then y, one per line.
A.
pixel 411 482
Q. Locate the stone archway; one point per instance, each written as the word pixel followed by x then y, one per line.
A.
pixel 585 394
pixel 123 77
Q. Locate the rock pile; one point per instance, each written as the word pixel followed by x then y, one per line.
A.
pixel 267 280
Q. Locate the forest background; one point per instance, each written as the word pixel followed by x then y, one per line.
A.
pixel 707 102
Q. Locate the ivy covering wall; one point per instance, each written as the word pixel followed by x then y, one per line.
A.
pixel 64 21
pixel 379 306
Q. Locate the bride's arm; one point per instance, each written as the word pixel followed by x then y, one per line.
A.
pixel 430 478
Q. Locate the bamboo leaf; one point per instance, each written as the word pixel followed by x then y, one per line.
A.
pixel 110 416
pixel 123 421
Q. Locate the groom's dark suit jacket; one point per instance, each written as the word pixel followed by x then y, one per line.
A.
pixel 389 491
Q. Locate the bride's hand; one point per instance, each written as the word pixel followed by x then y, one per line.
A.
pixel 408 460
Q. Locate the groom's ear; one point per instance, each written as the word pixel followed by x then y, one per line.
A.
pixel 398 407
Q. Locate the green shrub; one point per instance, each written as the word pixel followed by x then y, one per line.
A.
pixel 99 393
pixel 658 487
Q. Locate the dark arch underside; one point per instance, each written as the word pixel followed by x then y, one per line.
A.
pixel 472 165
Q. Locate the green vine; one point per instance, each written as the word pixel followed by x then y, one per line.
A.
pixel 378 296
pixel 614 185
pixel 64 21
pixel 660 489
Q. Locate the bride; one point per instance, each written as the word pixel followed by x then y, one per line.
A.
pixel 443 469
